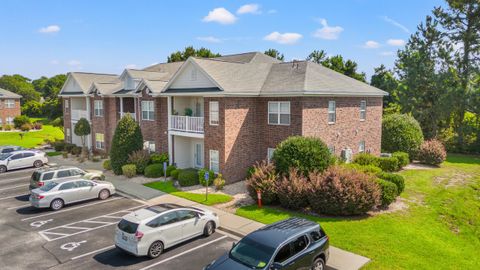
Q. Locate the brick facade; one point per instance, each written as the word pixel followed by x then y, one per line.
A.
pixel 155 130
pixel 104 124
pixel 9 112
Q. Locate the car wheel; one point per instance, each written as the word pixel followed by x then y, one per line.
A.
pixel 3 169
pixel 209 229
pixel 37 164
pixel 155 249
pixel 104 194
pixel 56 204
pixel 318 264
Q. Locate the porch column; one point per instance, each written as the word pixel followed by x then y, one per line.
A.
pixel 87 104
pixel 169 111
pixel 121 107
pixel 170 149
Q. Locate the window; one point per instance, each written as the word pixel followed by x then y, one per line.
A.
pixel 270 154
pixel 66 104
pixel 25 155
pixel 283 254
pixel 331 148
pixel 147 110
pixel 84 184
pixel 164 219
pixel 214 161
pixel 332 115
pixel 149 145
pixel 363 110
pixel 17 156
pixel 361 147
pixel 99 141
pixel 69 185
pixel 279 113
pixel 65 173
pixel 48 176
pixel 74 172
pixel 9 103
pixel 186 214
pixel 10 120
pixel 98 107
pixel 300 244
pixel 214 118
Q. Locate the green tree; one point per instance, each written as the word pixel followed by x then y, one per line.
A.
pixel 384 79
pixel 20 85
pixel 190 51
pixel 82 129
pixel 275 54
pixel 401 132
pixel 317 56
pixel 337 63
pixel 126 140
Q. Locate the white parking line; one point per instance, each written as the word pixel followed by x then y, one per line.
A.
pixel 20 171
pixel 183 253
pixel 70 209
pixel 92 252
pixel 21 206
pixel 14 179
pixel 13 196
pixel 13 187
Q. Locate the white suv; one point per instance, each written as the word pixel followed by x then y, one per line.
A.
pixel 22 159
pixel 148 231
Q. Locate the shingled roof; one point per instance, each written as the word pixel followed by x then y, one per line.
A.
pixel 7 94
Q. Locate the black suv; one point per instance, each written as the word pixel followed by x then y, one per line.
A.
pixel 293 243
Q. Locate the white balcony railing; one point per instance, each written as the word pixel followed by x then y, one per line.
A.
pixel 186 123
pixel 133 115
pixel 77 114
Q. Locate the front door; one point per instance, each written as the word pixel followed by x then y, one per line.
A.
pixel 198 155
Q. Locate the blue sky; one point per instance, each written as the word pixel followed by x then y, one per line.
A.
pixel 50 37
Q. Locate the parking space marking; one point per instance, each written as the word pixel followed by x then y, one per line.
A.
pixel 183 253
pixel 71 209
pixel 21 206
pixel 14 179
pixel 18 186
pixel 20 171
pixel 49 234
pixel 92 252
pixel 11 197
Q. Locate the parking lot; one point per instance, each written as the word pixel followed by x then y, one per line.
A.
pixel 80 236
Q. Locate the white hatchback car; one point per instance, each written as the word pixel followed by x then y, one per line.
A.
pixel 148 231
pixel 22 159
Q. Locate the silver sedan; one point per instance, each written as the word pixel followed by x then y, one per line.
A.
pixel 58 193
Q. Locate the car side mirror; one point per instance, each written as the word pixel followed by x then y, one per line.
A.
pixel 276 266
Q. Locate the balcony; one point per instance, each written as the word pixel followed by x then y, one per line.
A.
pixel 133 115
pixel 77 114
pixel 186 123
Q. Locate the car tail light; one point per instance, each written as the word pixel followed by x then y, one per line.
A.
pixel 40 184
pixel 39 196
pixel 138 235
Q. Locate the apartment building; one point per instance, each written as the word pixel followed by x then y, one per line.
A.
pixel 226 113
pixel 9 107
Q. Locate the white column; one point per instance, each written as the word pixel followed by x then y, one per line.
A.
pixel 170 148
pixel 121 107
pixel 169 111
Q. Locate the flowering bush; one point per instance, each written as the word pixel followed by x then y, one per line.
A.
pixel 292 190
pixel 263 178
pixel 432 152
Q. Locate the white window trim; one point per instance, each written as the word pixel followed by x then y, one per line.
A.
pixel 147 145
pixel 270 154
pixel 334 112
pixel 9 120
pixel 364 110
pixel 148 110
pixel 279 113
pixel 98 110
pixel 360 145
pixel 9 103
pixel 66 103
pixel 212 113
pixel 212 161
pixel 99 144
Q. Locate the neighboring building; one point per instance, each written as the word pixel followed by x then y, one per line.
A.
pixel 226 113
pixel 9 107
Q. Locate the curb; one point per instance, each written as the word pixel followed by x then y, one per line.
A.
pixel 237 234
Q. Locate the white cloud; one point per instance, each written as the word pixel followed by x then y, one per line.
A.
pixel 328 32
pixel 397 24
pixel 210 39
pixel 272 11
pixel 396 42
pixel 131 66
pixel 220 15
pixel 371 45
pixel 285 38
pixel 249 8
pixel 74 63
pixel 386 53
pixel 49 29
pixel 54 62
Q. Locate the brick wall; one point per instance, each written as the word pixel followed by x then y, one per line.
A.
pixel 215 135
pixel 67 119
pixel 155 130
pixel 9 112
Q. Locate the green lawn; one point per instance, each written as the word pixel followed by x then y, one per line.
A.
pixel 168 187
pixel 439 230
pixel 31 138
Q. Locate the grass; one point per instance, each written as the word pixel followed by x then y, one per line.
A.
pixel 168 187
pixel 439 230
pixel 52 154
pixel 31 138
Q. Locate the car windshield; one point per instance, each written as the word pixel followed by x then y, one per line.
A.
pixel 127 226
pixel 251 253
pixel 4 156
pixel 48 186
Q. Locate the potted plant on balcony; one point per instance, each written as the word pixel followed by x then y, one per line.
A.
pixel 188 112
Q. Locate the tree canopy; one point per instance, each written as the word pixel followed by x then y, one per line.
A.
pixel 20 85
pixel 347 67
pixel 275 54
pixel 191 51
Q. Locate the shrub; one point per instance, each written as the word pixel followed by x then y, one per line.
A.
pixel 126 139
pixel 365 159
pixel 159 158
pixel 107 165
pixel 7 127
pixel 368 169
pixel 201 177
pixel 250 171
pixel 342 191
pixel 170 169
pixel 263 178
pixel 304 153
pixel 401 132
pixel 129 170
pixel 76 150
pixel 188 177
pixel 389 191
pixel 20 120
pixel 154 170
pixel 403 158
pixel 59 146
pixel 397 179
pixel 432 152
pixel 37 125
pixel 82 129
pixel 140 158
pixel 95 159
pixel 388 164
pixel 26 127
pixel 219 182
pixel 292 190
pixel 175 173
pixel 64 154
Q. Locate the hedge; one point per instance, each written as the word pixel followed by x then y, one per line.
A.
pixel 107 165
pixel 129 170
pixel 170 168
pixel 403 158
pixel 126 139
pixel 154 170
pixel 188 177
pixel 397 179
pixel 401 132
pixel 201 177
pixel 389 191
